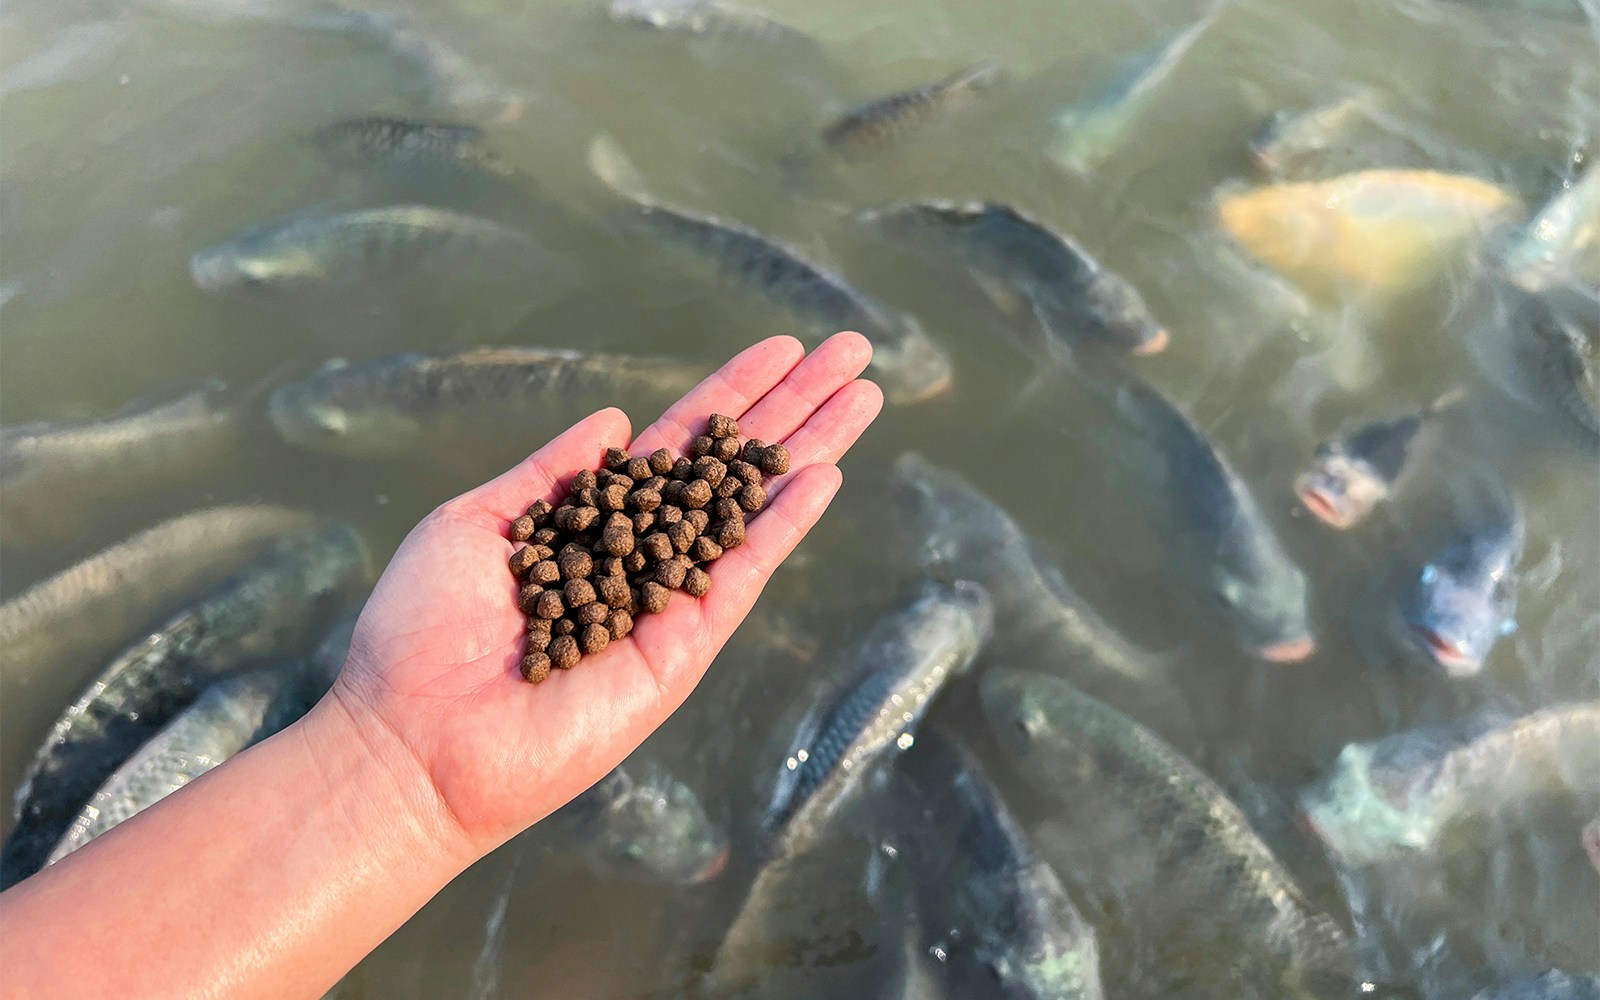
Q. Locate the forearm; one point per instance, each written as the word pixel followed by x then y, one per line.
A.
pixel 269 877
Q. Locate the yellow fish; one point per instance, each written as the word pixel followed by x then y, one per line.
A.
pixel 1373 233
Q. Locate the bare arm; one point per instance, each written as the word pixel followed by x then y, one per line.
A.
pixel 274 874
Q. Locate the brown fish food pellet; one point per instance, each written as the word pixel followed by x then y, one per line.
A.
pixel 621 538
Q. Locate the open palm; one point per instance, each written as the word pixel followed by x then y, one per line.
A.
pixel 434 661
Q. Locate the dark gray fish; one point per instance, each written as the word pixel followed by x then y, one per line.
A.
pixel 1021 261
pixel 1465 597
pixel 1562 346
pixel 1001 917
pixel 875 123
pixel 53 476
pixel 641 824
pixel 392 405
pixel 707 18
pixel 1560 245
pixel 908 364
pixel 417 151
pixel 892 678
pixel 1391 799
pixel 1553 985
pixel 275 607
pixel 1214 886
pixel 229 716
pixel 958 529
pixel 1354 472
pixel 1215 530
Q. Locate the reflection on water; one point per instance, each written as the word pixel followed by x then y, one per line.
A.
pixel 139 132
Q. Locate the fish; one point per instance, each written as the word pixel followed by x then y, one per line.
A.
pixel 1004 922
pixel 906 362
pixel 641 824
pixel 1075 300
pixel 1209 871
pixel 1373 234
pixel 322 253
pixel 1560 245
pixel 1350 132
pixel 55 476
pixel 438 151
pixel 272 607
pixel 706 18
pixel 876 123
pixel 1214 530
pixel 229 716
pixel 1098 122
pixel 391 405
pixel 1354 472
pixel 1553 985
pixel 1394 798
pixel 889 681
pixel 955 528
pixel 1464 598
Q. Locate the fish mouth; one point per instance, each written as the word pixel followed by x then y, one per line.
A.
pixel 1153 344
pixel 1321 504
pixel 715 867
pixel 1444 650
pixel 1291 650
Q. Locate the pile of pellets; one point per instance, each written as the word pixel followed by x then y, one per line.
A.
pixel 627 536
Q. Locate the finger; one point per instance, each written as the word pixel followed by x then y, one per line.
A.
pixel 730 390
pixel 829 433
pixel 791 402
pixel 582 446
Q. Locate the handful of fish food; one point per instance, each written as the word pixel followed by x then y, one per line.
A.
pixel 627 536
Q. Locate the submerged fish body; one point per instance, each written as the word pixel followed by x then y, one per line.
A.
pixel 1216 532
pixel 316 254
pixel 1350 132
pixel 642 824
pixel 1002 916
pixel 272 608
pixel 1091 128
pixel 905 361
pixel 1354 472
pixel 1374 233
pixel 53 474
pixel 228 717
pixel 1561 244
pixel 706 18
pixel 1553 985
pixel 959 529
pixel 390 405
pixel 408 148
pixel 1393 798
pixel 1211 873
pixel 1075 300
pixel 1465 597
pixel 877 122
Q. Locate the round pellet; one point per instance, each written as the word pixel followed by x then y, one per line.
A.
pixel 575 563
pixel 710 469
pixel 535 667
pixel 607 567
pixel 639 469
pixel 775 460
pixel 595 639
pixel 744 470
pixel 589 496
pixel 680 468
pixel 563 626
pixel 727 507
pixel 616 458
pixel 697 494
pixel 584 480
pixel 613 590
pixel 730 534
pixel 753 497
pixel 539 510
pixel 523 528
pixel 667 516
pixel 752 451
pixel 696 582
pixel 591 613
pixel 670 573
pixel 634 561
pixel 619 623
pixel 729 487
pixel 658 546
pixel 726 449
pixel 682 535
pixel 643 521
pixel 522 560
pixel 640 500
pixel 583 518
pixel 528 598
pixel 544 536
pixel 720 426
pixel 563 652
pixel 577 593
pixel 698 518
pixel 549 605
pixel 701 445
pixel 618 538
pixel 613 497
pixel 653 597
pixel 705 549
pixel 661 461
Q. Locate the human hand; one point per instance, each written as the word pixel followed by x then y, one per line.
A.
pixel 432 682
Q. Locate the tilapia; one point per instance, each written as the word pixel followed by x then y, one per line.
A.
pixel 1210 875
pixel 1213 529
pixel 1092 127
pixel 709 18
pixel 1561 244
pixel 1395 797
pixel 419 151
pixel 392 405
pixel 642 824
pixel 955 528
pixel 326 254
pixel 53 476
pixel 1545 352
pixel 1464 599
pixel 275 607
pixel 1350 132
pixel 1021 261
pixel 998 912
pixel 905 361
pixel 228 717
pixel 1354 472
pixel 878 122
pixel 1375 233
pixel 1552 985
pixel 892 677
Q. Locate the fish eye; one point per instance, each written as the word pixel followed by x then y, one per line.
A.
pixel 1508 627
pixel 1429 575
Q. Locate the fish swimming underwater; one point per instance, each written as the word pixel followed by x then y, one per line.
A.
pixel 706 18
pixel 409 149
pixel 1464 599
pixel 642 824
pixel 878 122
pixel 1561 244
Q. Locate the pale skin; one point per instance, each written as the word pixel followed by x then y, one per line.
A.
pixel 275 873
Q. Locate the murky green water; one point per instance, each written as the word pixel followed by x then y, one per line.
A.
pixel 133 133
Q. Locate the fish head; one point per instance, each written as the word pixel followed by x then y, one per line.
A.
pixel 1462 602
pixel 1015 703
pixel 326 413
pixel 1364 813
pixel 1262 595
pixel 657 832
pixel 1340 489
pixel 949 521
pixel 1117 308
pixel 909 365
pixel 255 263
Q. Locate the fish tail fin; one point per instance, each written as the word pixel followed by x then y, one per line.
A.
pixel 608 162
